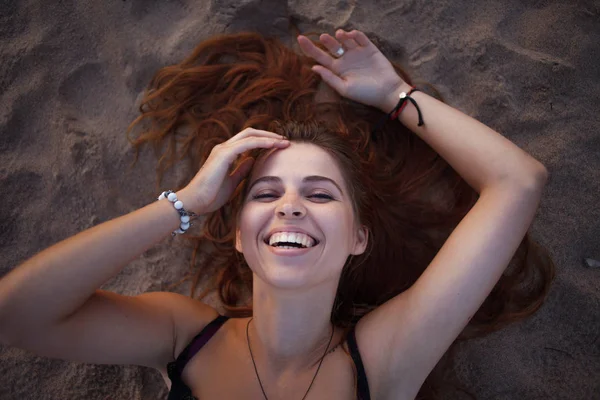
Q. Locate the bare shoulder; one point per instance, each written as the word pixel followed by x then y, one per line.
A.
pixel 190 316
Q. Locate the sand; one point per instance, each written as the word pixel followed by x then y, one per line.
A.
pixel 72 75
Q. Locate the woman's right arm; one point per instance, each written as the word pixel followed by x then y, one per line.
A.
pixel 51 304
pixel 47 289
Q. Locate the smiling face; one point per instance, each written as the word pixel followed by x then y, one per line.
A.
pixel 284 191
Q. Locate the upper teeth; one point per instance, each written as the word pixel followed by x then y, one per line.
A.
pixel 293 237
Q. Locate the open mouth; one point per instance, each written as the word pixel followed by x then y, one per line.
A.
pixel 287 249
pixel 291 245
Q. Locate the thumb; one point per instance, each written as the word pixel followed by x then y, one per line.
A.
pixel 330 78
pixel 242 170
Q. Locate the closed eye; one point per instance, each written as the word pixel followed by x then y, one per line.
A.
pixel 318 195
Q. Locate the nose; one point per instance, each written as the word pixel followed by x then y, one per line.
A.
pixel 290 206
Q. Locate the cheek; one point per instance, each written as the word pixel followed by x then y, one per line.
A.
pixel 250 224
pixel 339 226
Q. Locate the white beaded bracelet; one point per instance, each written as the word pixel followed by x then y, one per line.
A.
pixel 184 215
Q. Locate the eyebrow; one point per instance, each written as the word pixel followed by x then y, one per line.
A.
pixel 310 178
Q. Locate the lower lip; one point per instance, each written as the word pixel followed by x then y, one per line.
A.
pixel 289 252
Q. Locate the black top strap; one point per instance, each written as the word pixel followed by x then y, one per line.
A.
pixel 363 384
pixel 176 367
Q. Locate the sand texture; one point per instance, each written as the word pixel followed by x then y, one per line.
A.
pixel 72 75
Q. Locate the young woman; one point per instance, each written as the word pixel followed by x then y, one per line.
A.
pixel 347 234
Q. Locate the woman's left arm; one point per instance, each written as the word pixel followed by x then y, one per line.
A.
pixel 481 156
pixel 407 335
pixel 418 325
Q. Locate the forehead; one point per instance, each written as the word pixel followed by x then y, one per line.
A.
pixel 298 159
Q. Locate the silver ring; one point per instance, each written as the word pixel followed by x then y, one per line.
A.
pixel 340 52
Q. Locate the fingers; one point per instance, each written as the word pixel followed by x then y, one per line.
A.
pixel 230 150
pixel 314 52
pixel 331 79
pixel 330 42
pixel 349 40
pixel 360 38
pixel 346 39
pixel 254 142
pixel 254 132
pixel 251 138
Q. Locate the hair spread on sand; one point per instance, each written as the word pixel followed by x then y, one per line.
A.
pixel 403 191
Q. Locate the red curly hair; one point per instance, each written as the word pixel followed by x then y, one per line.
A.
pixel 402 190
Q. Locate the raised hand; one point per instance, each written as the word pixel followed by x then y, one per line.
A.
pixel 213 185
pixel 362 73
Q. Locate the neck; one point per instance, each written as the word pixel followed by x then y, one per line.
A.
pixel 290 331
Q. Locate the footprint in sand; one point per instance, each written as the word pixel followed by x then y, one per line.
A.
pixel 399 8
pixel 83 146
pixel 423 54
pixel 337 13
